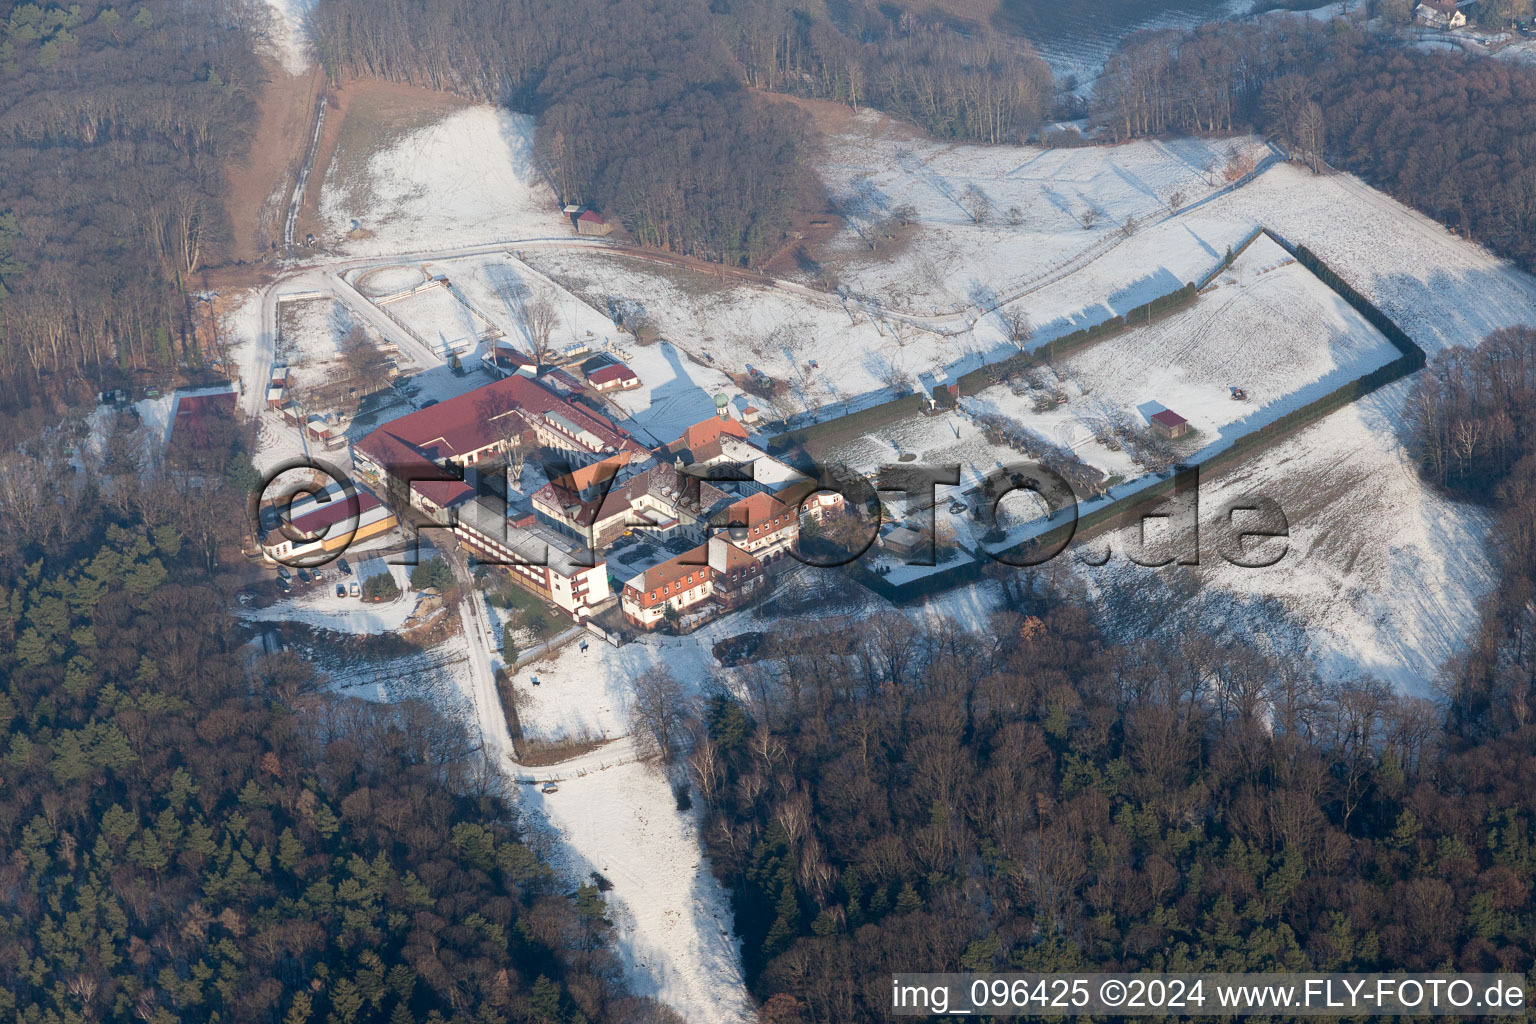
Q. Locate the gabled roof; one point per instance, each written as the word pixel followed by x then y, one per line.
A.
pixel 587 476
pixel 477 419
pixel 736 559
pixel 1168 418
pixel 705 431
pixel 592 217
pixel 756 509
pixel 673 569
pixel 337 510
pixel 613 371
pixel 191 426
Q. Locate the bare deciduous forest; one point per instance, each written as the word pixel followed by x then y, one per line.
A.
pixel 115 127
pixel 1444 133
pixel 1037 799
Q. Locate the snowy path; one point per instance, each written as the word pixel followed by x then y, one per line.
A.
pixel 673 920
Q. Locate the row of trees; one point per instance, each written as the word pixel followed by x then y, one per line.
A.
pixel 1030 797
pixel 115 126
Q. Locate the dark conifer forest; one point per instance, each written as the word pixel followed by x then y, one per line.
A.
pixel 193 832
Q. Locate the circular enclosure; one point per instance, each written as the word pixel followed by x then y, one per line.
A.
pixel 389 280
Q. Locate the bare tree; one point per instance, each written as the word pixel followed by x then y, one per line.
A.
pixel 539 319
pixel 976 204
pixel 1018 326
pixel 892 376
pixel 659 710
pixel 1310 132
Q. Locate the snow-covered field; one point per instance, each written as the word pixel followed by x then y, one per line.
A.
pixel 1046 210
pixel 310 332
pixel 1381 577
pixel 741 326
pixel 441 320
pixel 498 288
pixel 467 178
pixel 1266 325
pixel 318 606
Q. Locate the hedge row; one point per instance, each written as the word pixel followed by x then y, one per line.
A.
pixel 1231 257
pixel 855 422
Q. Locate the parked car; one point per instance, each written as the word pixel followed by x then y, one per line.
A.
pixel 341 590
pixel 346 570
pixel 283 585
pixel 304 576
pixel 353 590
pixel 283 573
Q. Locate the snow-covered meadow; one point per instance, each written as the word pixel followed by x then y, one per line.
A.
pixel 466 178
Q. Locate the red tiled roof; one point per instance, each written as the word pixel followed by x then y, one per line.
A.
pixel 507 353
pixel 443 493
pixel 592 217
pixel 613 371
pixel 756 509
pixel 705 431
pixel 476 420
pixel 737 560
pixel 1168 418
pixel 675 570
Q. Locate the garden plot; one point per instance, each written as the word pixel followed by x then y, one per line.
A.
pixel 465 178
pixel 310 333
pixel 1266 326
pixel 1041 211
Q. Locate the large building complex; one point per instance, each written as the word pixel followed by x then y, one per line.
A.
pixel 695 526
